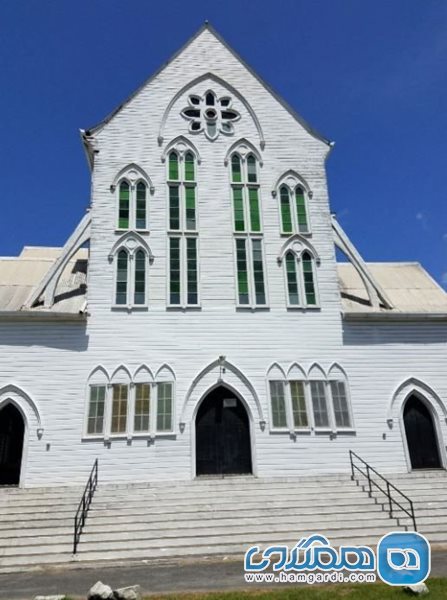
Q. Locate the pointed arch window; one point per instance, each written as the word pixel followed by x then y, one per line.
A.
pixel 247 229
pixel 122 277
pixel 293 210
pixel 132 205
pixel 313 402
pixel 245 191
pixel 130 406
pixel 300 279
pixel 183 287
pixel 131 276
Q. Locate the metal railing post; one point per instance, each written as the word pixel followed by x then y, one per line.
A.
pixel 369 481
pixel 389 499
pixel 352 465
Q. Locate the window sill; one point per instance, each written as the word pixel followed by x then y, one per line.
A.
pixel 324 431
pixel 119 231
pixel 301 308
pixel 248 307
pixel 346 431
pixel 183 308
pixel 126 437
pixel 131 308
pixel 307 234
pixel 294 432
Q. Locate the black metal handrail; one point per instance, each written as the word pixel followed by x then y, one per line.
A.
pixel 389 486
pixel 84 505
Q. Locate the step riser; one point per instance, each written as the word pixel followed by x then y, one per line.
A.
pixel 101 498
pixel 193 488
pixel 204 502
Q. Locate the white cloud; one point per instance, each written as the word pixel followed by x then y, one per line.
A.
pixel 423 219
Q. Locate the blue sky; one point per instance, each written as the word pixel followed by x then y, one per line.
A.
pixel 370 75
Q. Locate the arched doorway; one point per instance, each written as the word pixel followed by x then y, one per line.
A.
pixel 12 431
pixel 222 435
pixel 421 435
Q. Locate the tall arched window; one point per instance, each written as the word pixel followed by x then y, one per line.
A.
pixel 122 277
pixel 131 274
pixel 140 277
pixel 247 228
pixel 141 208
pixel 124 205
pixel 293 210
pixel 132 205
pixel 182 229
pixel 309 279
pixel 300 279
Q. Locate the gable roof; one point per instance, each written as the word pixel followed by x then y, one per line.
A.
pixel 207 27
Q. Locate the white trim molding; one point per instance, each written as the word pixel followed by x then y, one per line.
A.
pixel 221 372
pixel 21 399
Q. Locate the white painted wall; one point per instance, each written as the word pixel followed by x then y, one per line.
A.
pixel 52 361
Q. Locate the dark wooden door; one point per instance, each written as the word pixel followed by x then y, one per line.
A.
pixel 222 435
pixel 12 429
pixel 421 435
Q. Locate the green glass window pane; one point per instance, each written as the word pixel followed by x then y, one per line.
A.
pixel 164 406
pixel 255 219
pixel 191 260
pixel 319 403
pixel 189 167
pixel 142 407
pixel 292 280
pixel 340 402
pixel 301 214
pixel 174 207
pixel 236 171
pixel 95 421
pixel 238 208
pixel 119 407
pixel 190 197
pixel 140 278
pixel 258 272
pixel 286 214
pixel 298 404
pixel 242 272
pixel 174 271
pixel 141 206
pixel 252 175
pixel 124 205
pixel 121 277
pixel 278 403
pixel 173 166
pixel 308 276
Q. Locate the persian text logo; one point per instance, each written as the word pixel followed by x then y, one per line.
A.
pixel 310 554
pixel 403 558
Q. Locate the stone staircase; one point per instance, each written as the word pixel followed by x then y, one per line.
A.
pixel 206 517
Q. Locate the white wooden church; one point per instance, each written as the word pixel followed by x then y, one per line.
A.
pixel 196 322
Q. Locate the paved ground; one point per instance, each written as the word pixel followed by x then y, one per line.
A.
pixel 153 577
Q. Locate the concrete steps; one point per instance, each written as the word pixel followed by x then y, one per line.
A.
pixel 209 516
